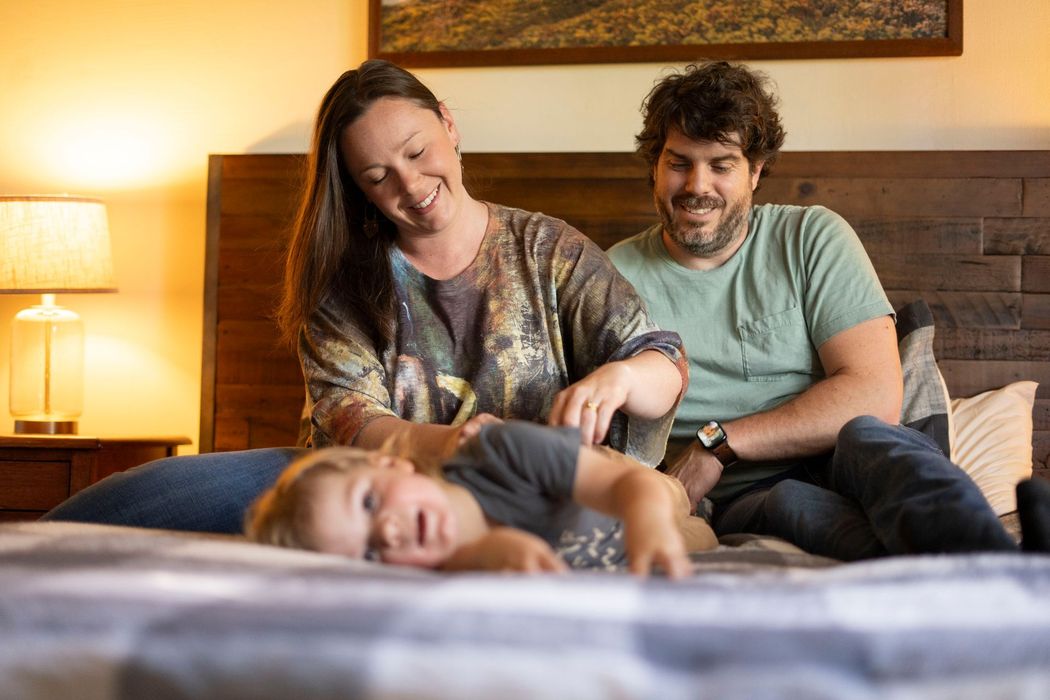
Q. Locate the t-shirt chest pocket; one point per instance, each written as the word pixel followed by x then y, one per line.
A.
pixel 775 346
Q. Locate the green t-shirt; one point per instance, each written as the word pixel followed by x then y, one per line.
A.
pixel 751 327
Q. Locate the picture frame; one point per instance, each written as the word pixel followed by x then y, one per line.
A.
pixel 409 41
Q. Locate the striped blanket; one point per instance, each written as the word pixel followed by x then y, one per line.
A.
pixel 90 611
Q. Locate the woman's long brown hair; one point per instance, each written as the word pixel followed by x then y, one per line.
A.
pixel 331 261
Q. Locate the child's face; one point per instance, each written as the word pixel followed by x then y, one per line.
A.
pixel 383 512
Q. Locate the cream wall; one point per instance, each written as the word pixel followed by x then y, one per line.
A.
pixel 124 99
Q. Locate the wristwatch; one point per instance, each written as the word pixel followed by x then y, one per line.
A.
pixel 712 437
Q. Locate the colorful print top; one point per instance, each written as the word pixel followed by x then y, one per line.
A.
pixel 539 308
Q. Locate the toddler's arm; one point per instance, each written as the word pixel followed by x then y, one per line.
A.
pixel 651 507
pixel 506 549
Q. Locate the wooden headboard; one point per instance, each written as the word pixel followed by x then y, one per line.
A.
pixel 967 230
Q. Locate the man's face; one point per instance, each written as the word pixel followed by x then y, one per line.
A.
pixel 702 191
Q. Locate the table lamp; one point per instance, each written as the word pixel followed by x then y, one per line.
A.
pixel 51 245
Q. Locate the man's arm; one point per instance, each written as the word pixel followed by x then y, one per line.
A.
pixel 863 377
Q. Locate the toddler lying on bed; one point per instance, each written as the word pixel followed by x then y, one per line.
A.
pixel 504 500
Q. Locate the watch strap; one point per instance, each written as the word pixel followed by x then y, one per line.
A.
pixel 724 453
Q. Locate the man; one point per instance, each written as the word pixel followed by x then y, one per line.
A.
pixel 790 422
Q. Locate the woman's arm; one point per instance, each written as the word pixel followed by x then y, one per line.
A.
pixel 430 441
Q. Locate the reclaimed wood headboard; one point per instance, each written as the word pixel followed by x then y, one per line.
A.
pixel 969 231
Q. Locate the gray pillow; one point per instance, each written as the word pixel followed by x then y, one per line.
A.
pixel 925 405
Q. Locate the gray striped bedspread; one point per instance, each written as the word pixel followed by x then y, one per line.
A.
pixel 90 611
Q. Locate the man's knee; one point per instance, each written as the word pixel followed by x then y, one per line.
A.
pixel 784 497
pixel 861 430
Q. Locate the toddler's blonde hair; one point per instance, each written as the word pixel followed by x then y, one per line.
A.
pixel 281 515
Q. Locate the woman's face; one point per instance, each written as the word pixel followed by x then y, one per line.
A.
pixel 403 157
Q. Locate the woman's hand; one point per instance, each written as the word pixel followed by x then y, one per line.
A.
pixel 590 403
pixel 507 549
pixel 646 386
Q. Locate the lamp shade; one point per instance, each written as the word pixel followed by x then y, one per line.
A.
pixel 53 245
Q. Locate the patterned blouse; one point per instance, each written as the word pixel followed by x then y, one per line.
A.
pixel 538 309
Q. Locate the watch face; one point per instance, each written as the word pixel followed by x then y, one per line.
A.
pixel 711 434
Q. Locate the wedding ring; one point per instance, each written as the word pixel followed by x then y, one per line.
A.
pixel 591 405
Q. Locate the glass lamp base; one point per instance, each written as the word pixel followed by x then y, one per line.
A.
pixel 45 427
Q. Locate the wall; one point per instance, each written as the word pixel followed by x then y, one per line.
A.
pixel 124 99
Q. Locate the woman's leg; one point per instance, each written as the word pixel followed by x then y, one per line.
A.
pixel 201 493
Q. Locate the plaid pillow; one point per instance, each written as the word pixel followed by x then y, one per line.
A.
pixel 925 405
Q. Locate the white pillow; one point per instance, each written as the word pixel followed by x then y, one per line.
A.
pixel 993 441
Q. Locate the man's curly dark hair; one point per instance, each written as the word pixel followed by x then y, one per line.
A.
pixel 713 102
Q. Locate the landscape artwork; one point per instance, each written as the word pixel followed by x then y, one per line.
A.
pixel 508 32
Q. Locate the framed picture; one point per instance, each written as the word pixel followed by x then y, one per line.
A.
pixel 430 33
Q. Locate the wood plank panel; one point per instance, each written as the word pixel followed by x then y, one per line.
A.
pixel 481 168
pixel 1035 274
pixel 249 352
pixel 565 198
pixel 966 309
pixel 1041 414
pixel 911 235
pixel 248 303
pixel 1041 449
pixel 264 432
pixel 272 198
pixel 914 164
pixel 255 232
pixel 250 267
pixel 1017 236
pixel 985 344
pixel 1035 311
pixel 231 433
pixel 1037 196
pixel 970 377
pixel 899 197
pixel 242 399
pixel 944 272
pixel 887 164
pixel 289 167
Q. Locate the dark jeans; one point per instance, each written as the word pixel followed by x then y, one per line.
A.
pixel 886 489
pixel 201 493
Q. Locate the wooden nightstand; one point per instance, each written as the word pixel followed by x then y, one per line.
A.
pixel 37 472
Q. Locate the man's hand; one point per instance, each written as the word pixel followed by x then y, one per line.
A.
pixel 698 470
pixel 507 549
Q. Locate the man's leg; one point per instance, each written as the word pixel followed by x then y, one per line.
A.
pixel 202 493
pixel 813 518
pixel 915 498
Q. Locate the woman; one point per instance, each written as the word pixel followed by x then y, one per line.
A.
pixel 418 308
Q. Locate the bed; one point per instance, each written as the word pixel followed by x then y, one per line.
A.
pixel 103 612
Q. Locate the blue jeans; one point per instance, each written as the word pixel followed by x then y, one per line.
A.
pixel 200 493
pixel 886 489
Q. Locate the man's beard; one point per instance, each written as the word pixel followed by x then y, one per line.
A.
pixel 691 237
